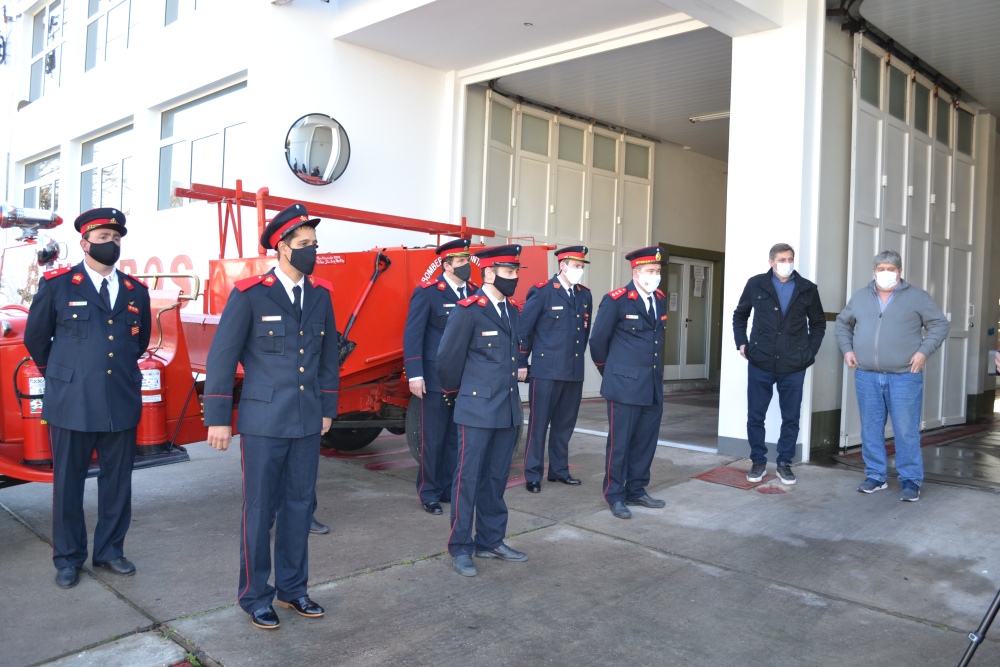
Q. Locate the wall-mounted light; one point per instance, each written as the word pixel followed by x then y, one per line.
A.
pixel 709 116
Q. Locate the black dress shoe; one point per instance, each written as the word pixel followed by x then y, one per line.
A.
pixel 464 566
pixel 503 552
pixel 265 618
pixel 568 479
pixel 620 511
pixel 433 508
pixel 317 528
pixel 647 501
pixel 534 487
pixel 303 606
pixel 67 577
pixel 119 565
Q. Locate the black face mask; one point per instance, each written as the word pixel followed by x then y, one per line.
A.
pixel 105 253
pixel 303 259
pixel 463 272
pixel 505 286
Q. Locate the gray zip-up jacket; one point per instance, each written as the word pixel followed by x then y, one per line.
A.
pixel 884 341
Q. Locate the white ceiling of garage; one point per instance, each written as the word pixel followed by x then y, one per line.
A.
pixel 961 39
pixel 652 88
pixel 458 34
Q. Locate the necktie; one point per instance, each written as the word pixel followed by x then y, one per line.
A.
pixel 652 309
pixel 461 292
pixel 297 291
pixel 105 294
pixel 503 313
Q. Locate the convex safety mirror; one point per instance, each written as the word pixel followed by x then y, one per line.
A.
pixel 317 149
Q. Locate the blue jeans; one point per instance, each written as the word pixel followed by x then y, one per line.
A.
pixel 760 387
pixel 900 397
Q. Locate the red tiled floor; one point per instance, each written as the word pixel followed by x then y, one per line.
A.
pixel 729 476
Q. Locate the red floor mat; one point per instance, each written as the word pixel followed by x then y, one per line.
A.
pixel 729 476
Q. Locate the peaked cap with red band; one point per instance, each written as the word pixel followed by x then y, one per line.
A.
pixel 577 252
pixel 101 218
pixel 651 255
pixel 284 223
pixel 501 255
pixel 456 248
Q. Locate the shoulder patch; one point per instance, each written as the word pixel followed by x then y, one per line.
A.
pixel 580 288
pixel 441 287
pixel 660 294
pixel 615 294
pixel 247 283
pixel 427 283
pixel 516 304
pixel 469 300
pixel 542 283
pixel 54 273
pixel 319 282
pixel 633 295
pixel 138 281
pixel 471 286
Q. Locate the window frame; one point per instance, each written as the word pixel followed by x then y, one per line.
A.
pixel 100 18
pixel 50 178
pixel 119 159
pixel 50 46
pixel 181 9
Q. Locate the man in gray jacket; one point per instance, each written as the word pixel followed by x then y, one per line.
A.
pixel 886 332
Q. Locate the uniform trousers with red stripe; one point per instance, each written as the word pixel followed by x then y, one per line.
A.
pixel 632 434
pixel 71 455
pixel 279 486
pixel 481 474
pixel 438 449
pixel 555 403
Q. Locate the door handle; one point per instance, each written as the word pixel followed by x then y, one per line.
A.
pixel 687 320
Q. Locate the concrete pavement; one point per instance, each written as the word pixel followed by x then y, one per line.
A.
pixel 818 575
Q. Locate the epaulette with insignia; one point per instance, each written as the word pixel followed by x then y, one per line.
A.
pixel 471 286
pixel 55 273
pixel 469 300
pixel 614 294
pixel 516 304
pixel 427 283
pixel 319 282
pixel 138 281
pixel 633 295
pixel 659 294
pixel 582 287
pixel 542 284
pixel 247 283
pixel 441 286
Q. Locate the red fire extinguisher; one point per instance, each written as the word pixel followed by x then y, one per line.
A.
pixel 29 387
pixel 152 432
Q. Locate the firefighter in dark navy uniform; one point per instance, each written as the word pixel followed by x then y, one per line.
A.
pixel 625 346
pixel 481 366
pixel 280 325
pixel 87 327
pixel 555 327
pixel 430 306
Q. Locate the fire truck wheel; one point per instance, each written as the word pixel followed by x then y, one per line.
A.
pixel 413 434
pixel 349 439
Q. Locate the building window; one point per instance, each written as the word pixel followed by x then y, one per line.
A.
pixel 201 142
pixel 105 170
pixel 41 183
pixel 109 24
pixel 46 50
pixel 176 9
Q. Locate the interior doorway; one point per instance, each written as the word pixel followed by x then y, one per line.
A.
pixel 687 284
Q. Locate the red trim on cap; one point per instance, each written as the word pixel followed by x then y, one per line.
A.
pixel 571 255
pixel 276 236
pixel 455 252
pixel 501 259
pixel 638 261
pixel 94 224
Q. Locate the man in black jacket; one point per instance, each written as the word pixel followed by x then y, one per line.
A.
pixel 788 328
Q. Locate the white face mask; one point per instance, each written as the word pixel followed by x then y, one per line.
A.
pixel 648 282
pixel 886 279
pixel 574 276
pixel 784 270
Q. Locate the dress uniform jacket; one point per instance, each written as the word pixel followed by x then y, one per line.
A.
pixel 482 354
pixel 625 346
pixel 291 372
pixel 555 330
pixel 483 358
pixel 431 304
pixel 89 355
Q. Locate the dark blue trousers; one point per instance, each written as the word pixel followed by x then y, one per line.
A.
pixel 438 449
pixel 279 488
pixel 71 455
pixel 632 434
pixel 760 386
pixel 481 474
pixel 555 403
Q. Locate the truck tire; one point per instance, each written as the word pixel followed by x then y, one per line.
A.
pixel 349 439
pixel 413 433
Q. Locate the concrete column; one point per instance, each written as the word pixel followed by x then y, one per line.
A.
pixel 773 191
